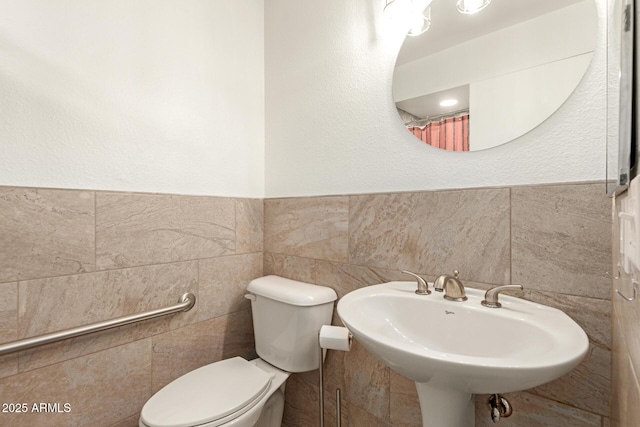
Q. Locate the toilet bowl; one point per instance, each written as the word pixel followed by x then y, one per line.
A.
pixel 287 316
pixel 232 392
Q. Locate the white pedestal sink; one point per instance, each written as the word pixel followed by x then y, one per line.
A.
pixel 453 350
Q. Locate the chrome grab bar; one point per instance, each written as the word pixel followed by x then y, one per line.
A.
pixel 186 303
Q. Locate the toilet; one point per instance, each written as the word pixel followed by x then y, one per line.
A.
pixel 287 316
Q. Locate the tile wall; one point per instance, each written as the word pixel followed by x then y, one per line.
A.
pixel 554 240
pixel 625 320
pixel 70 257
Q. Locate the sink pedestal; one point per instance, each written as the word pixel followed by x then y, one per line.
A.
pixel 443 407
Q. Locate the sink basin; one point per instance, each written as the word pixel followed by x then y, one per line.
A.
pixel 453 350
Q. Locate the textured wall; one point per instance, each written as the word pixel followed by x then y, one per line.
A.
pixel 149 95
pixel 71 257
pixel 332 127
pixel 554 240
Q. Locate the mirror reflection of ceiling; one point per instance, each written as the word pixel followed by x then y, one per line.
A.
pixel 509 67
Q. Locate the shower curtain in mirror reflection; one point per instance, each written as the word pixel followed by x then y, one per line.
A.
pixel 450 134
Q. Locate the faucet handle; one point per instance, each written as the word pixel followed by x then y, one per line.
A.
pixel 423 287
pixel 491 296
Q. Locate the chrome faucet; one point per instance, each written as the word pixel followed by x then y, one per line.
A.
pixel 491 296
pixel 451 286
pixel 423 287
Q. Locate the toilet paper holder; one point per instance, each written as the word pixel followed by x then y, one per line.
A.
pixel 331 338
pixel 335 338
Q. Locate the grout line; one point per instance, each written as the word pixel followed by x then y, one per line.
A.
pixel 235 226
pixel 264 234
pixel 549 398
pixel 510 235
pixel 95 230
pixel 79 273
pixel 91 353
pixel 349 229
pixel 18 324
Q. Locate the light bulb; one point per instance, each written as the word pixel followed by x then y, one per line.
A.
pixel 470 7
pixel 397 10
pixel 420 22
pixel 409 15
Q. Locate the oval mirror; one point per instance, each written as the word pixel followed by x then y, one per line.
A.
pixel 472 82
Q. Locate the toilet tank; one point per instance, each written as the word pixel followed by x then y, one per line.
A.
pixel 287 316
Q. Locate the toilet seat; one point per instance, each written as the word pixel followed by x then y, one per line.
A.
pixel 213 395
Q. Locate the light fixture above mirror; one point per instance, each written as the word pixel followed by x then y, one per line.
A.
pixel 469 7
pixel 415 15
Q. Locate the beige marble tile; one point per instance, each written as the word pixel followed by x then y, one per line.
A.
pixel 586 387
pixel 45 233
pixel 140 229
pixel 223 283
pixel 101 389
pixel 625 323
pixel 8 311
pixel 404 404
pixel 330 414
pixel 8 326
pixel 625 345
pixel 48 305
pixel 334 373
pixel 366 382
pixel 625 386
pixel 625 396
pixel 249 225
pixel 433 232
pixel 291 267
pixel 182 350
pixel 301 401
pixel 309 227
pixel 628 319
pixel 344 278
pixel 8 365
pixel 301 407
pixel 620 366
pixel 131 421
pixel 534 411
pixel 312 377
pixel 561 239
pixel 593 315
pixel 359 417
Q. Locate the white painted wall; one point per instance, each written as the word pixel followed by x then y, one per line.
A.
pixel 167 96
pixel 332 127
pixel 145 95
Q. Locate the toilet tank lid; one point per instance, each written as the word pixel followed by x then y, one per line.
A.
pixel 291 291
